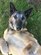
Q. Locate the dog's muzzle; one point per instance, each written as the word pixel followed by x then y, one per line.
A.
pixel 19 25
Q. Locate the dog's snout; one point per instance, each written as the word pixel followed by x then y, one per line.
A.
pixel 19 25
pixel 18 22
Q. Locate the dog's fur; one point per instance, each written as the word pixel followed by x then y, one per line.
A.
pixel 20 41
pixel 3 46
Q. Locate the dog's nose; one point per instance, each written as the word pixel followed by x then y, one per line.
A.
pixel 18 28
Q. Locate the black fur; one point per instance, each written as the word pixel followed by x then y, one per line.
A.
pixel 28 12
pixel 12 8
pixel 19 16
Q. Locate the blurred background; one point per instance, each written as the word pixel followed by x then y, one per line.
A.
pixel 34 21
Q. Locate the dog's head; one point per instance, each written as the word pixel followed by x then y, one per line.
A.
pixel 18 18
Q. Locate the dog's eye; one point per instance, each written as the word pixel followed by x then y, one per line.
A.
pixel 22 18
pixel 15 17
pixel 11 22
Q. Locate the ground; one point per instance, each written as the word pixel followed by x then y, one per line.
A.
pixel 34 21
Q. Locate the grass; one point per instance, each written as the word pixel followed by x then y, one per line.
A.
pixel 34 21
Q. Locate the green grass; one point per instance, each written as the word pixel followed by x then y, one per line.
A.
pixel 34 21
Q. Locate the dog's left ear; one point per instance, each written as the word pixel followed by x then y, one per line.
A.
pixel 28 12
pixel 12 8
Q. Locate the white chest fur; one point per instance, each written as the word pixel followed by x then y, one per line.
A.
pixel 19 41
pixel 15 39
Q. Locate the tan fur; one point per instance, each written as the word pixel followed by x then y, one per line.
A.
pixel 39 51
pixel 26 40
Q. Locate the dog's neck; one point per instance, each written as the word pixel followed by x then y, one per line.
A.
pixel 18 31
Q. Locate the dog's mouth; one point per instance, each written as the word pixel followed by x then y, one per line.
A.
pixel 18 28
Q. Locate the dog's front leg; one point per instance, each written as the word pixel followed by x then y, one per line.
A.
pixel 4 51
pixel 4 54
pixel 3 47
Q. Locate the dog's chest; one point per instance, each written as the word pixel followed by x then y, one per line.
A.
pixel 16 40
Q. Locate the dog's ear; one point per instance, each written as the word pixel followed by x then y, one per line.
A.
pixel 12 8
pixel 28 12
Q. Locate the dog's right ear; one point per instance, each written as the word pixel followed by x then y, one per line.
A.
pixel 12 8
pixel 28 12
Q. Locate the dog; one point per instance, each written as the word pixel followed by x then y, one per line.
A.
pixel 20 41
